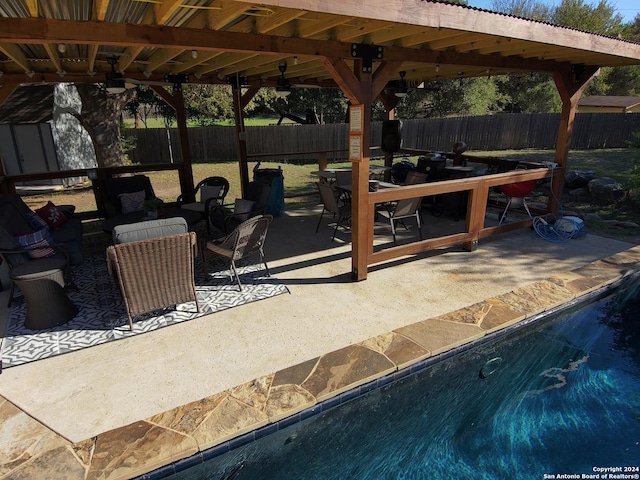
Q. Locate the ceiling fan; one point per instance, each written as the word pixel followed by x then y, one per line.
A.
pixel 283 87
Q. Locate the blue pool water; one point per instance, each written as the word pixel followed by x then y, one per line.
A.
pixel 557 397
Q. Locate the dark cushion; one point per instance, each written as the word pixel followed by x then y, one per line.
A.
pixel 8 243
pixel 14 221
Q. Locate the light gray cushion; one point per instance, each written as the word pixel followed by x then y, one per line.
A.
pixel 134 232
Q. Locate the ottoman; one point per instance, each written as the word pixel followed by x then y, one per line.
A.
pixel 42 284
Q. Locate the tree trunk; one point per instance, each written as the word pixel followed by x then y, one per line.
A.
pixel 100 116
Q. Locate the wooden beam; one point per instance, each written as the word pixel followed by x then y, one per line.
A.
pixel 92 53
pixel 160 57
pixel 345 79
pixel 15 54
pixel 32 6
pixel 312 28
pixel 386 71
pixel 100 9
pixel 248 95
pixel 203 57
pixel 165 9
pixel 229 11
pixel 571 85
pixel 279 18
pixel 39 31
pixel 52 52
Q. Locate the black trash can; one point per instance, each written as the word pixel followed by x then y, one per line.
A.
pixel 275 179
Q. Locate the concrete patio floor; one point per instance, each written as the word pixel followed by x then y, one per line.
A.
pixel 125 408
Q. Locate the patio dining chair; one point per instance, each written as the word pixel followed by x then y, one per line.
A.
pixel 333 204
pixel 344 178
pixel 248 238
pixel 400 211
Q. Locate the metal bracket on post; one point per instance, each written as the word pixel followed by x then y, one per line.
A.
pixel 177 81
pixel 578 71
pixel 367 53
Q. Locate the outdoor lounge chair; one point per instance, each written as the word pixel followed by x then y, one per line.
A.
pixel 18 257
pixel 117 188
pixel 252 204
pixel 18 219
pixel 154 273
pixel 249 237
pixel 212 191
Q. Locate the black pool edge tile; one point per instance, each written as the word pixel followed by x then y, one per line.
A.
pixel 285 422
pixel 266 430
pixel 158 474
pixel 242 440
pixel 379 382
pixel 215 451
pixel 188 462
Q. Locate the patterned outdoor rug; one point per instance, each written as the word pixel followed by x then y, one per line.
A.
pixel 102 315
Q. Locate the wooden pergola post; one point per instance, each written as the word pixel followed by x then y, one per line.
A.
pixel 361 86
pixel 571 84
pixel 240 101
pixel 176 100
pixel 390 102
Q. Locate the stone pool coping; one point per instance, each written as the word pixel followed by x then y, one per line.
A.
pixel 184 436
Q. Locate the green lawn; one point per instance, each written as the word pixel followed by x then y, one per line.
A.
pixel 249 122
pixel 300 188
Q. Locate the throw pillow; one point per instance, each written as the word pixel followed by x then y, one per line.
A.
pixel 207 192
pixel 242 208
pixel 38 243
pixel 52 215
pixel 132 202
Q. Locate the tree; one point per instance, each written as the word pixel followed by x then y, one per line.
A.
pixel 100 116
pixel 143 105
pixel 469 96
pixel 537 92
pixel 208 104
pixel 532 9
pixel 600 18
pixel 329 104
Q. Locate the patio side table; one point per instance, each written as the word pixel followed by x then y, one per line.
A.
pixel 42 284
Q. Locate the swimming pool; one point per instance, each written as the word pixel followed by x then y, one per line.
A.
pixel 557 397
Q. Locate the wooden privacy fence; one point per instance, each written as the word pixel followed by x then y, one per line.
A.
pixel 513 131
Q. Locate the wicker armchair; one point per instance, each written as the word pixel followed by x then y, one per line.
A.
pixel 155 273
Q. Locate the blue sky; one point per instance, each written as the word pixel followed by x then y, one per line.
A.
pixel 627 8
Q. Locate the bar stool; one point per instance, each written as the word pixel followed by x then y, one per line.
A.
pixel 42 284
